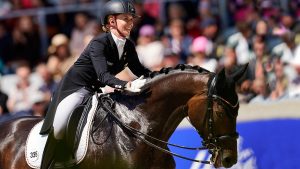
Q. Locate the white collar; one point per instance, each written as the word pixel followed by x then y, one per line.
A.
pixel 118 41
pixel 120 44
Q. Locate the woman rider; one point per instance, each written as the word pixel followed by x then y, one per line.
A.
pixel 104 57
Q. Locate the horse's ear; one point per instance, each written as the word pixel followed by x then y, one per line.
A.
pixel 222 75
pixel 239 72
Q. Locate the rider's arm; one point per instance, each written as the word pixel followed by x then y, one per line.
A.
pixel 98 58
pixel 134 63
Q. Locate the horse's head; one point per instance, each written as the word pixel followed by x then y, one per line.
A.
pixel 221 106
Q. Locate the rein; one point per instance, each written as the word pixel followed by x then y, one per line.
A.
pixel 211 143
pixel 139 134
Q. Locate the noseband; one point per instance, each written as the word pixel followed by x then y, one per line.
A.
pixel 212 142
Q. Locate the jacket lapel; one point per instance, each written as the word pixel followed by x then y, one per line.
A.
pixel 125 52
pixel 114 50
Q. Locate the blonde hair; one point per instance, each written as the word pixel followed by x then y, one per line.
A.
pixel 105 27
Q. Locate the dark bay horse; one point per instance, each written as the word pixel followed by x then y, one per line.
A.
pixel 209 101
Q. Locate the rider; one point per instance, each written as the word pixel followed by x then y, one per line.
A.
pixel 104 57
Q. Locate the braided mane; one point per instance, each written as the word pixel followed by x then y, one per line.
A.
pixel 180 67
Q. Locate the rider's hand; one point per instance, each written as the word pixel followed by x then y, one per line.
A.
pixel 107 89
pixel 135 86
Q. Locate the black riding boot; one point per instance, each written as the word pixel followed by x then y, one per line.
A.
pixel 48 160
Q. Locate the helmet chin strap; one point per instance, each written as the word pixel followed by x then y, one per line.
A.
pixel 116 27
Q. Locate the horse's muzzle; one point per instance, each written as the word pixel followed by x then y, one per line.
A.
pixel 229 158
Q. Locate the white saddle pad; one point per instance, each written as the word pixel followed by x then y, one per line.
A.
pixel 35 142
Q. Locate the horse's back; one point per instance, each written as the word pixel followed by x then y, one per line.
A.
pixel 13 137
pixel 18 127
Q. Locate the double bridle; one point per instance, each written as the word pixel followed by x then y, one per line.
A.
pixel 211 143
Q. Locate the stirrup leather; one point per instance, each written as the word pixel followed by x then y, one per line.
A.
pixel 48 159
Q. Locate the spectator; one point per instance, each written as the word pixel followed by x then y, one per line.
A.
pixel 260 89
pixel 254 81
pixel 175 11
pixel 150 51
pixel 210 30
pixel 204 11
pixel 84 27
pixel 148 16
pixel 60 59
pixel 239 41
pixel 177 40
pixel 201 48
pixel 262 30
pixel 229 59
pixel 170 59
pixel 39 105
pixel 19 98
pixel 280 82
pixel 49 84
pixel 287 21
pixel 205 8
pixel 26 42
pixel 294 86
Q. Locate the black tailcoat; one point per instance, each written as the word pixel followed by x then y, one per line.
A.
pixel 96 67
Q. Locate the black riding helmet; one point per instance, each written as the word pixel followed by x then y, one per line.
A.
pixel 117 7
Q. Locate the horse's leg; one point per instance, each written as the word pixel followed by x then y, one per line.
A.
pixel 13 137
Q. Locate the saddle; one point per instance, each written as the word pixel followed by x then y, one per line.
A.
pixel 78 119
pixel 80 124
pixel 76 123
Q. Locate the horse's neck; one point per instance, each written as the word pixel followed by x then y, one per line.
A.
pixel 172 122
pixel 132 117
pixel 171 96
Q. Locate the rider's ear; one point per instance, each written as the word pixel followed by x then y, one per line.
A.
pixel 111 19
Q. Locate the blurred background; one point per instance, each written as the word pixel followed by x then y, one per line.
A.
pixel 41 39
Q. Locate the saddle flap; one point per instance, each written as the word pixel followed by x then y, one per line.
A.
pixel 35 142
pixel 76 123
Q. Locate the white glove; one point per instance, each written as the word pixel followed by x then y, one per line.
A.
pixel 135 86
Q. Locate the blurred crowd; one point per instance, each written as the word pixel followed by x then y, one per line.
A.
pixel 259 32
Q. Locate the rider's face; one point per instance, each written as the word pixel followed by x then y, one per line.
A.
pixel 124 24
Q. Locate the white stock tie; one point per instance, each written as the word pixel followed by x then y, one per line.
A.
pixel 120 45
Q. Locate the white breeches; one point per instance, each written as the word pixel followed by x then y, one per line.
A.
pixel 64 110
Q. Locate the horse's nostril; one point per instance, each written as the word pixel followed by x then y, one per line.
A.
pixel 227 162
